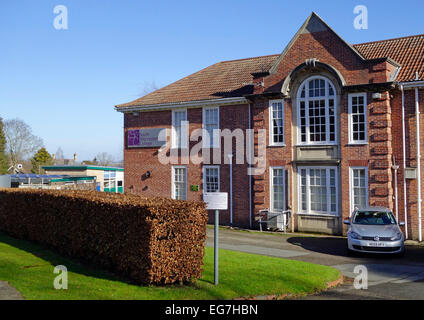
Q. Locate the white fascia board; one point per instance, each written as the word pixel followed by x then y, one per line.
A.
pixel 412 84
pixel 187 104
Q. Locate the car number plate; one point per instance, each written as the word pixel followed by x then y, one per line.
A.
pixel 376 244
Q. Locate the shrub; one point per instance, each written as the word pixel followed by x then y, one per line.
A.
pixel 151 241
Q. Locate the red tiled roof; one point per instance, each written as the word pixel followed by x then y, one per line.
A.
pixel 222 80
pixel 234 78
pixel 407 51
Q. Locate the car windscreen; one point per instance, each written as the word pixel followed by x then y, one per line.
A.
pixel 374 218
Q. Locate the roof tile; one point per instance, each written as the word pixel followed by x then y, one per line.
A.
pixel 222 80
pixel 407 51
pixel 234 78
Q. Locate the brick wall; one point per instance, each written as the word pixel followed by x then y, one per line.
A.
pixel 411 154
pixel 140 160
pixel 329 49
pixel 275 156
pixel 384 137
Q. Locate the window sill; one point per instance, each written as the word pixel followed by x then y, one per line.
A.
pixel 329 145
pixel 325 215
pixel 357 144
pixel 279 145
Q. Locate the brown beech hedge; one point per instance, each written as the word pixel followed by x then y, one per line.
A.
pixel 148 240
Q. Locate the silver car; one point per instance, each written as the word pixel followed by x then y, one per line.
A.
pixel 374 230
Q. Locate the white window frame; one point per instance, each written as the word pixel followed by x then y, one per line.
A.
pixel 215 142
pixel 184 135
pixel 173 195
pixel 271 187
pixel 306 99
pixel 271 124
pixel 350 97
pixel 351 195
pixel 204 177
pixel 308 194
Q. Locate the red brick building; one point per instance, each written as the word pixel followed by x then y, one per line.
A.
pixel 341 127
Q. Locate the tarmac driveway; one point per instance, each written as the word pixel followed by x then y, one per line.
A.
pixel 388 277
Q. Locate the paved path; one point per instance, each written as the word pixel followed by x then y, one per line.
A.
pixel 7 292
pixel 388 277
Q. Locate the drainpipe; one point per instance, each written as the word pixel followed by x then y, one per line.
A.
pixel 230 157
pixel 417 113
pixel 395 169
pixel 405 204
pixel 250 177
pixel 416 85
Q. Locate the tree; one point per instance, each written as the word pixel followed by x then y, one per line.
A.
pixel 4 163
pixel 89 162
pixel 104 159
pixel 59 154
pixel 149 87
pixel 41 158
pixel 20 142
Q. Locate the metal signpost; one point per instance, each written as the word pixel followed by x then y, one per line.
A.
pixel 216 201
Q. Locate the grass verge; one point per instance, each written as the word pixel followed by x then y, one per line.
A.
pixel 29 268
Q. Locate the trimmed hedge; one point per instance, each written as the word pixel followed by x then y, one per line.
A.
pixel 150 241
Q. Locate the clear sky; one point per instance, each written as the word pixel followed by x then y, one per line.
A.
pixel 65 83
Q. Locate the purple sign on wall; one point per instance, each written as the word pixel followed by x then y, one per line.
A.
pixel 133 138
pixel 145 138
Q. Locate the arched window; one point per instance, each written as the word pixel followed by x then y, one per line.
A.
pixel 316 102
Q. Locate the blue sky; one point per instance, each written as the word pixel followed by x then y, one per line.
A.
pixel 65 83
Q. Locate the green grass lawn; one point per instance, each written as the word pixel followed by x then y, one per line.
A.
pixel 29 268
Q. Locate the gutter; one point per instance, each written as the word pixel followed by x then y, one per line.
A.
pixel 413 84
pixel 183 104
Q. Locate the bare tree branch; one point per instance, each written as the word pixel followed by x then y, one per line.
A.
pixel 104 159
pixel 149 87
pixel 59 154
pixel 21 143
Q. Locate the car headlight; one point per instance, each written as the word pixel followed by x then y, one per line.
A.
pixel 354 235
pixel 397 237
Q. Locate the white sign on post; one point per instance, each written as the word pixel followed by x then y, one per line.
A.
pixel 216 200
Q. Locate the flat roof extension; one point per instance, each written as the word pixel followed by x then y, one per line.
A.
pixel 81 168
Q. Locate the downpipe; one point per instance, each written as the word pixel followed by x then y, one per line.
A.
pixel 405 202
pixel 419 201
